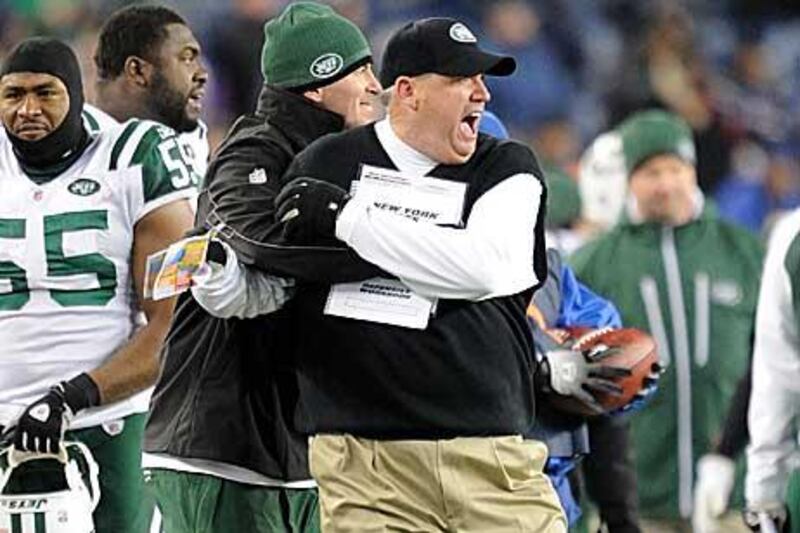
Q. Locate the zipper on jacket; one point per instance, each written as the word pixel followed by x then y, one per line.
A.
pixel 652 307
pixel 683 370
pixel 702 320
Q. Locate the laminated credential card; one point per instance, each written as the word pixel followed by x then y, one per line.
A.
pixel 169 272
pixel 423 199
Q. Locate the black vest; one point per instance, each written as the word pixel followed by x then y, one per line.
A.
pixel 470 372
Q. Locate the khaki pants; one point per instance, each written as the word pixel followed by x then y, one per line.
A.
pixel 486 485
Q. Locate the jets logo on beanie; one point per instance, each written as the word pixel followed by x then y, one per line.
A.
pixel 310 45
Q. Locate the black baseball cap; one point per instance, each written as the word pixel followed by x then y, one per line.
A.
pixel 439 45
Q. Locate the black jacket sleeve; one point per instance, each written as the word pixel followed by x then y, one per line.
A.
pixel 238 199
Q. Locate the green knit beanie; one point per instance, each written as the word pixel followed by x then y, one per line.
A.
pixel 655 132
pixel 310 44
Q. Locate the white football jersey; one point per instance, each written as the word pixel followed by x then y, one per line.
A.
pixel 67 301
pixel 193 143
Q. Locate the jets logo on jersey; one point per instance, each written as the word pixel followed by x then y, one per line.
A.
pixel 726 292
pixel 83 187
pixel 326 65
pixel 23 504
pixel 57 509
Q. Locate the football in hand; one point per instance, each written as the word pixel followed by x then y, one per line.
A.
pixel 636 351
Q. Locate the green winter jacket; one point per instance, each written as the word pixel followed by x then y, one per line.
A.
pixel 694 289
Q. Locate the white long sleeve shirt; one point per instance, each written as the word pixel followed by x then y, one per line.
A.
pixel 774 416
pixel 490 257
pixel 237 291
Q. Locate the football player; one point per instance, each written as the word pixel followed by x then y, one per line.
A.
pixel 79 214
pixel 148 67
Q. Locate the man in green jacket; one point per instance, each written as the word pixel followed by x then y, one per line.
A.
pixel 676 270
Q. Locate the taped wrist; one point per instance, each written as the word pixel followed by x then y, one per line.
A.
pixel 80 392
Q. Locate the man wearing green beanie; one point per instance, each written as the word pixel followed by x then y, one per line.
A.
pixel 221 428
pixel 679 272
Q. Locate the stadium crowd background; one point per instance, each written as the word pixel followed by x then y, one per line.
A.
pixel 731 68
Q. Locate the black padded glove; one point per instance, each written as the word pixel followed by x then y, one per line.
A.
pixel 41 426
pixel 308 209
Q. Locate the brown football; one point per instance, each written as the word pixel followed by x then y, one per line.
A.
pixel 637 353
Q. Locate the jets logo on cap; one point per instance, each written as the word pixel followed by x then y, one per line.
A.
pixel 460 33
pixel 686 150
pixel 326 65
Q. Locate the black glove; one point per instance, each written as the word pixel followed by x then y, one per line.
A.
pixel 216 253
pixel 308 209
pixel 41 426
pixel 772 519
pixel 578 375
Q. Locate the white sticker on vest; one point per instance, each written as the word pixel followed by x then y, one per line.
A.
pixel 422 199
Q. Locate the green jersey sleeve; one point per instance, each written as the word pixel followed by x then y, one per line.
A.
pixel 155 150
pixel 791 263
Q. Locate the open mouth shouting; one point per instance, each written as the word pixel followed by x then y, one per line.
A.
pixel 469 125
pixel 195 100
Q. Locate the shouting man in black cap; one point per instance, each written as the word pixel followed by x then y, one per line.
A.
pixel 79 214
pixel 418 384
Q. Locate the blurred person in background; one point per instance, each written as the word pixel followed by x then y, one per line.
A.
pixel 602 184
pixel 543 85
pixel 764 185
pixel 231 50
pixel 750 97
pixel 556 143
pixel 666 70
pixel 690 280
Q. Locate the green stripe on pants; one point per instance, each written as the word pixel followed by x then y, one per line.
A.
pixel 123 506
